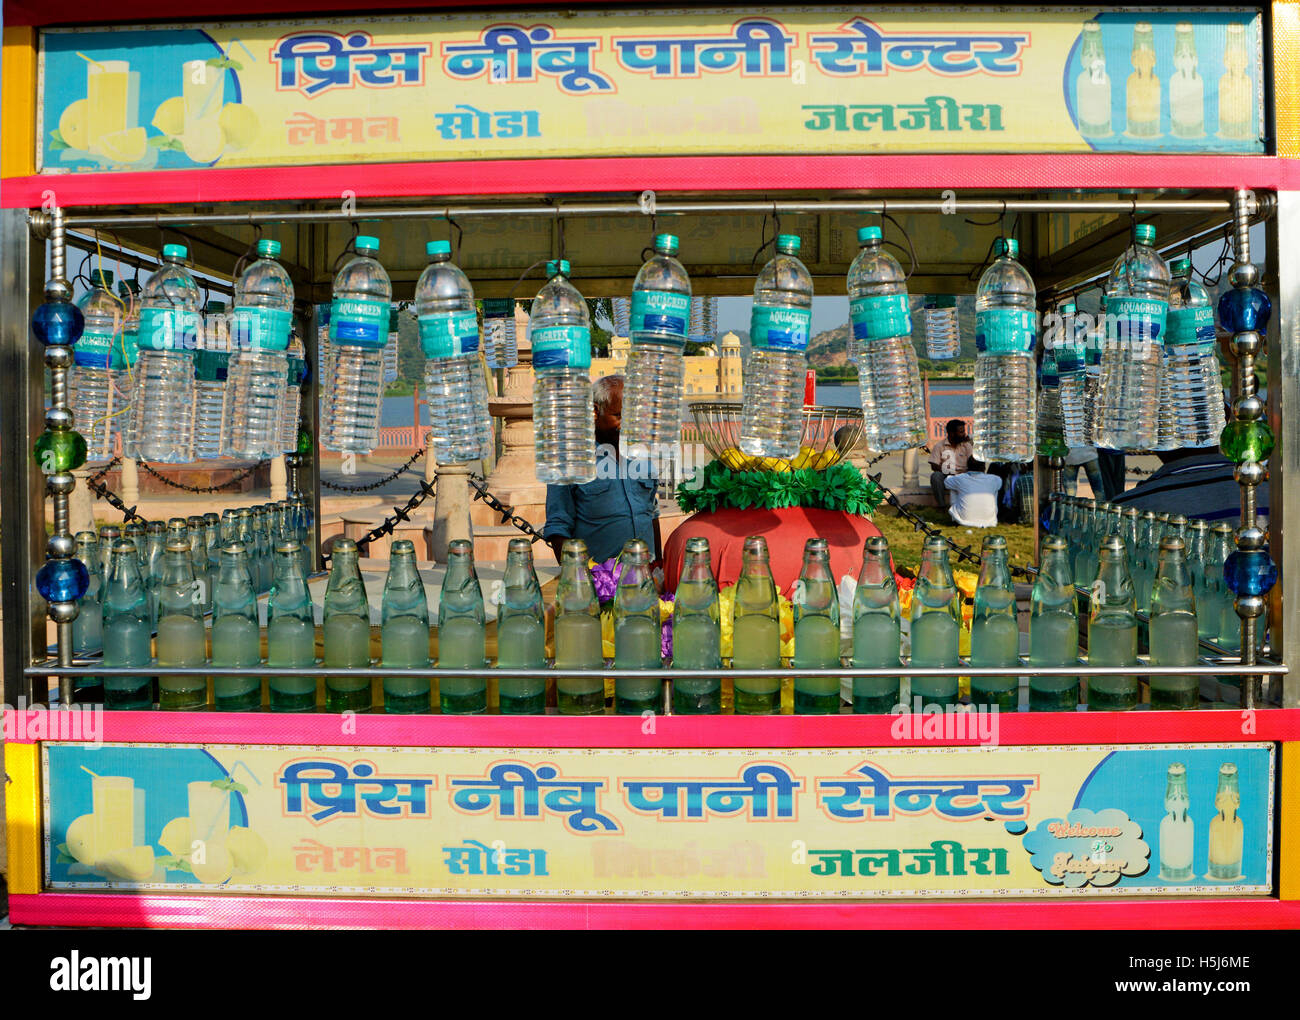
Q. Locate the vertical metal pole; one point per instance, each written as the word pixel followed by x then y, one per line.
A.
pixel 22 493
pixel 308 471
pixel 1247 407
pixel 1283 406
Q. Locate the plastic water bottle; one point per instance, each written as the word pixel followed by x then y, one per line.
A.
pixel 560 330
pixel 772 413
pixel 1051 423
pixel 358 333
pixel 259 367
pixel 500 342
pixel 161 424
pixel 291 408
pixel 892 413
pixel 656 369
pixel 1070 354
pixel 96 356
pixel 1005 409
pixel 1191 362
pixel 453 379
pixel 212 409
pixel 391 347
pixel 1136 307
pixel 1094 340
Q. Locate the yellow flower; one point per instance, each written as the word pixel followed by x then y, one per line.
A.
pixel 727 611
pixel 905 602
pixel 665 610
pixel 966 581
pixel 787 628
pixel 607 633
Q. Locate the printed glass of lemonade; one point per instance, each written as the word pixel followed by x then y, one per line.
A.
pixel 112 100
pixel 209 812
pixel 203 90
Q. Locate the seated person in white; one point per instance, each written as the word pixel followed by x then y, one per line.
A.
pixel 973 496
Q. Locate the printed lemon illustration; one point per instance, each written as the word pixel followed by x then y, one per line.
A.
pixel 203 140
pixel 129 146
pixel 247 849
pixel 216 866
pixel 134 864
pixel 82 842
pixel 177 836
pixel 169 118
pixel 240 124
pixel 72 125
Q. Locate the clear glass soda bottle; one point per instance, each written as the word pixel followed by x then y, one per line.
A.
pixel 877 634
pixel 181 639
pixel 638 635
pixel 405 631
pixel 127 630
pixel 259 366
pixel 203 580
pixel 96 356
pixel 890 381
pixel 1214 601
pixel 358 333
pixel 290 633
pixel 578 642
pixel 560 331
pixel 780 322
pixel 455 386
pixel 236 636
pixel 1173 628
pixel 936 625
pixel 161 422
pixel 697 633
pixel 462 640
pixel 756 631
pixel 660 321
pixel 1112 629
pixel 995 630
pixel 1005 331
pixel 346 631
pixel 1053 630
pixel 816 607
pixel 521 632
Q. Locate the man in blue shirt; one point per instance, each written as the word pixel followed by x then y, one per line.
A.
pixel 619 505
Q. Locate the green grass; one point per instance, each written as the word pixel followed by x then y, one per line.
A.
pixel 905 541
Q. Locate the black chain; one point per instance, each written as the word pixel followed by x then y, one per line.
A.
pixel 399 514
pixel 99 475
pixel 102 491
pixel 383 481
pixel 508 516
pixel 204 489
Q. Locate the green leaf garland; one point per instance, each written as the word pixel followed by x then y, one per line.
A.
pixel 841 487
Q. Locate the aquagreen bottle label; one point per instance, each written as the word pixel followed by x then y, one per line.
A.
pixel 94 349
pixel 1132 320
pixel 1048 372
pixel 779 329
pixel 1004 331
pixel 211 366
pixel 561 347
pixel 449 334
pixel 1190 326
pixel 662 314
pixel 169 329
pixel 880 317
pixel 360 322
pixel 254 328
pixel 126 350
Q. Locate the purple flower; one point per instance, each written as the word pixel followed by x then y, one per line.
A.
pixel 605 577
pixel 666 641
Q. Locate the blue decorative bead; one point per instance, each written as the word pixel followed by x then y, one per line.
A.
pixel 62 580
pixel 1250 572
pixel 58 323
pixel 1045 522
pixel 1245 310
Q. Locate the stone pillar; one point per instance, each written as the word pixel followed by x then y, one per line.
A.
pixel 279 479
pixel 81 505
pixel 451 509
pixel 130 482
pixel 910 462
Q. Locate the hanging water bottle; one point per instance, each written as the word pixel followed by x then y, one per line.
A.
pixel 95 357
pixel 661 312
pixel 1136 307
pixel 259 367
pixel 892 413
pixel 1005 409
pixel 358 333
pixel 1191 362
pixel 1070 354
pixel 291 408
pixel 500 343
pixel 161 422
pixel 1051 425
pixel 212 399
pixel 771 422
pixel 560 330
pixel 453 380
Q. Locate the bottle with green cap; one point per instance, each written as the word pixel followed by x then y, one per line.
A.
pixel 1006 418
pixel 892 413
pixel 259 367
pixel 1191 363
pixel 1068 344
pixel 93 360
pixel 161 421
pixel 1137 303
pixel 771 421
pixel 454 383
pixel 212 411
pixel 660 321
pixel 559 328
pixel 358 333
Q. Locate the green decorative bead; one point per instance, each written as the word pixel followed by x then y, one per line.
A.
pixel 305 443
pixel 63 450
pixel 1246 440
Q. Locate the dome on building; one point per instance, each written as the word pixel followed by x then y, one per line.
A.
pixel 730 340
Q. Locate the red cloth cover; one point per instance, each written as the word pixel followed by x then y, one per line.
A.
pixel 786 532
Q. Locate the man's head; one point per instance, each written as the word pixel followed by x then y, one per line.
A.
pixel 956 431
pixel 607 396
pixel 977 466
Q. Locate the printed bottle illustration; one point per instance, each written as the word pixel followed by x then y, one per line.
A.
pixel 1092 87
pixel 1176 828
pixel 1143 86
pixel 1186 87
pixel 1236 93
pixel 1226 830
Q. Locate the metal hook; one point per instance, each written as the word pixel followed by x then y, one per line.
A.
pixel 460 233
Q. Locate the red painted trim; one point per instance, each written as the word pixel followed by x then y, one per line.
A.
pixel 631 175
pixel 114 910
pixel 378 730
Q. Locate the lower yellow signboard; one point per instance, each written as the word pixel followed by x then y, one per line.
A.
pixel 667 823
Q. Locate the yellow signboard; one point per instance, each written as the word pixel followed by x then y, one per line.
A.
pixel 677 823
pixel 787 80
